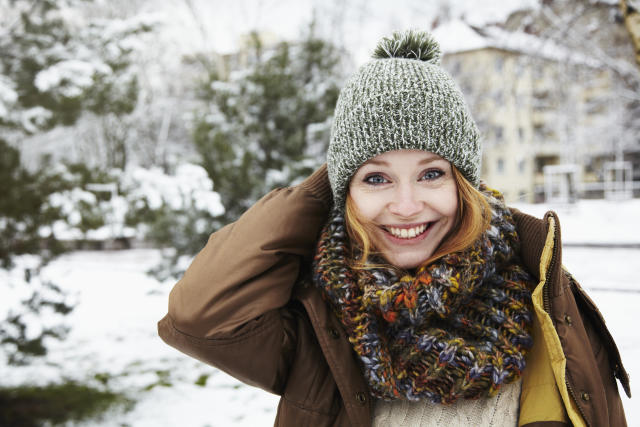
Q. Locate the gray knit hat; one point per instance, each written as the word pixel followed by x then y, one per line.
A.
pixel 401 99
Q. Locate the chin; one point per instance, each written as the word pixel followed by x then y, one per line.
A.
pixel 407 261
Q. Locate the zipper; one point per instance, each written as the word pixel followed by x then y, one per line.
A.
pixel 546 298
pixel 546 302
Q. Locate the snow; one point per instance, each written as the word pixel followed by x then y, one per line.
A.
pixel 479 13
pixel 68 200
pixel 594 221
pixel 114 326
pixel 189 188
pixel 33 118
pixel 114 333
pixel 457 36
pixel 190 184
pixel 70 77
pixel 16 289
pixel 539 47
pixel 7 95
pixel 114 29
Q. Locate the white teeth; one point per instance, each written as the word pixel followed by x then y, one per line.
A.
pixel 407 233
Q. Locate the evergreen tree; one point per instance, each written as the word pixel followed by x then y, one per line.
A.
pixel 267 126
pixel 53 69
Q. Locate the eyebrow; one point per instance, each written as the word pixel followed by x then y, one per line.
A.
pixel 428 159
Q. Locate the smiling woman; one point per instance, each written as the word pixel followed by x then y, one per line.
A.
pixel 391 287
pixel 408 200
pixel 458 210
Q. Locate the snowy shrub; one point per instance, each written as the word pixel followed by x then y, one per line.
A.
pixel 30 305
pixel 32 309
pixel 190 187
pixel 46 212
pixel 175 212
pixel 85 214
pixel 133 204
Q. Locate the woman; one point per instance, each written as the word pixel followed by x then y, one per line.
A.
pixel 391 288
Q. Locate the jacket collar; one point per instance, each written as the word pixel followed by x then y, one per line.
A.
pixel 534 234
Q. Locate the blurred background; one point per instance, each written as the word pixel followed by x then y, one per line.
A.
pixel 131 130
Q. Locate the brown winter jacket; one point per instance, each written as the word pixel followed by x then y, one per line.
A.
pixel 245 306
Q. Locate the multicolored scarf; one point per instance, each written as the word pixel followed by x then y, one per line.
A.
pixel 458 328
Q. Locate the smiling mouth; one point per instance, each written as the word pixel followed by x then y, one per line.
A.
pixel 408 233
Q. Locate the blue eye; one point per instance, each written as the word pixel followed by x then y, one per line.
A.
pixel 432 174
pixel 375 179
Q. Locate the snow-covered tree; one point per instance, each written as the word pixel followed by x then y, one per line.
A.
pixel 594 33
pixel 55 66
pixel 267 125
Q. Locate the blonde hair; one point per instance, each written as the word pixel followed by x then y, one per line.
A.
pixel 472 220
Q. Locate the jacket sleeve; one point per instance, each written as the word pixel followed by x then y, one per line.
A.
pixel 229 309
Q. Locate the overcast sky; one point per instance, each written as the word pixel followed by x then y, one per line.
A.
pixel 357 24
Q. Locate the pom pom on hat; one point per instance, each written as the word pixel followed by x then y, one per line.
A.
pixel 417 45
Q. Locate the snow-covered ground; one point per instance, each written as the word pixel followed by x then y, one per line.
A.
pixel 594 221
pixel 114 335
pixel 114 327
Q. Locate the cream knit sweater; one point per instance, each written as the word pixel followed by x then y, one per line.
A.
pixel 500 410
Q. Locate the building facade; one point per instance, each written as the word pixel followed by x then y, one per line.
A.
pixel 540 102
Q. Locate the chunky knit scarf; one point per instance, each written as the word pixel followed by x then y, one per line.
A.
pixel 458 328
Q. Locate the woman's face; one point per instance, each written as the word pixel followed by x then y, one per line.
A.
pixel 412 199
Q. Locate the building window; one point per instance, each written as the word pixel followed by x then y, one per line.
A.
pixel 522 165
pixel 537 71
pixel 500 165
pixel 542 133
pixel 519 68
pixel 499 64
pixel 521 134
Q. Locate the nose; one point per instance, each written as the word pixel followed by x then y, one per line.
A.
pixel 405 203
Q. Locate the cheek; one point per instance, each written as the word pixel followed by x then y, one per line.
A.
pixel 448 204
pixel 452 206
pixel 369 205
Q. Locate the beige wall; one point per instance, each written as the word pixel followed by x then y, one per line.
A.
pixel 531 112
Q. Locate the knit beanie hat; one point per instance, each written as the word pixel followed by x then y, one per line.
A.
pixel 401 99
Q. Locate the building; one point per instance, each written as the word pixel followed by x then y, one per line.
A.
pixel 541 102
